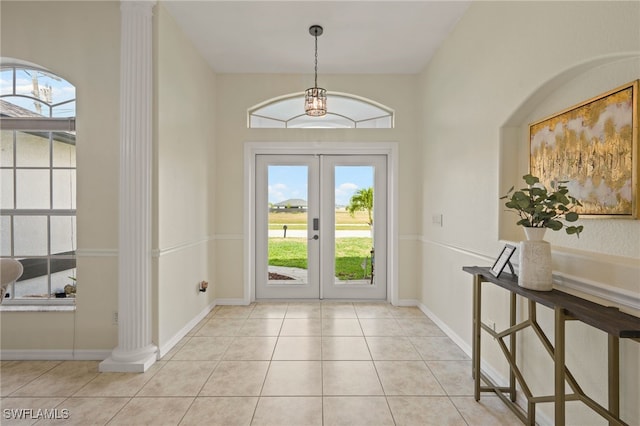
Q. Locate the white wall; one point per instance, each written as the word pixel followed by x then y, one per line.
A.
pixel 80 42
pixel 184 117
pixel 505 65
pixel 237 93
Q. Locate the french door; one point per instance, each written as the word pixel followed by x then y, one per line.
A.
pixel 321 230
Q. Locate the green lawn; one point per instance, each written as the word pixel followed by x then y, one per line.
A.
pixel 350 254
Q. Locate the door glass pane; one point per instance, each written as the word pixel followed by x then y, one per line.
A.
pixel 287 224
pixel 354 253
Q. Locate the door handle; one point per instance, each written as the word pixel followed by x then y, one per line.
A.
pixel 315 237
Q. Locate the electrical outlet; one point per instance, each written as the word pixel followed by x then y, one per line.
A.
pixel 115 318
pixel 436 219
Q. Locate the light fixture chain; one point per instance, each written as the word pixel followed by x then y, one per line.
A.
pixel 315 98
pixel 316 66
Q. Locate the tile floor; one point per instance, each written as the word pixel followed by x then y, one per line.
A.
pixel 278 364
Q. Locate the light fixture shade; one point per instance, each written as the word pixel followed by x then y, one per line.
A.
pixel 315 102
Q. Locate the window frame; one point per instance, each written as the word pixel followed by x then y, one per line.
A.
pixel 386 112
pixel 45 127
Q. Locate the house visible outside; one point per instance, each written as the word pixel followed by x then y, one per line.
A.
pixel 38 183
pixel 293 205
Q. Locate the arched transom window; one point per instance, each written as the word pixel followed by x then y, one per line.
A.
pixel 344 111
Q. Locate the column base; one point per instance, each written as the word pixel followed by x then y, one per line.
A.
pixel 115 364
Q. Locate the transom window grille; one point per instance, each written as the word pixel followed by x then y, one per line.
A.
pixel 344 111
pixel 38 183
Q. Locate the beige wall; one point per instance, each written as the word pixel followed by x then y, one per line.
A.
pixel 460 128
pixel 85 51
pixel 184 116
pixel 505 65
pixel 236 93
pixel 80 42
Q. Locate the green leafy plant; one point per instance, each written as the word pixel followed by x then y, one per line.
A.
pixel 540 208
pixel 362 200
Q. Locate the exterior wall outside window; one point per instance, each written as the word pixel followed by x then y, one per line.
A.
pixel 38 179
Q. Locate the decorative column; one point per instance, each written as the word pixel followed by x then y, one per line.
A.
pixel 135 351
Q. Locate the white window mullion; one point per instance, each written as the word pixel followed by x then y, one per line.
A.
pixel 24 120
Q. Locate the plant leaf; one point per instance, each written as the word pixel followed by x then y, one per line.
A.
pixel 530 179
pixel 571 216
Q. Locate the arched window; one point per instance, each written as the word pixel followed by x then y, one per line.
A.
pixel 344 111
pixel 38 182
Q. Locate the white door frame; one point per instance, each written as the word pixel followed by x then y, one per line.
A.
pixel 251 149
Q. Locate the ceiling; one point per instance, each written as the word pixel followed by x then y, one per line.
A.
pixel 371 37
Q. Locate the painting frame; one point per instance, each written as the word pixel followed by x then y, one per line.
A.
pixel 593 146
pixel 502 260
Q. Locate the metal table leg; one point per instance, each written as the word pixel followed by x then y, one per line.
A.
pixel 559 361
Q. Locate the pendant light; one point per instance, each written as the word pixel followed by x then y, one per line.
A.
pixel 315 98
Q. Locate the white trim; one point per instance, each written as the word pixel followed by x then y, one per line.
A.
pixel 28 306
pixel 390 149
pixel 164 349
pixel 53 354
pixel 445 328
pixel 406 302
pixel 486 368
pixel 458 249
pixel 462 344
pixel 390 112
pixel 563 281
pixel 594 288
pixel 232 301
pixel 179 247
pixel 87 252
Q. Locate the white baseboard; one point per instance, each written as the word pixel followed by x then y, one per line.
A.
pixel 164 349
pixel 54 355
pixel 93 355
pixel 408 302
pixel 462 344
pixel 230 301
pixel 492 373
pixel 448 331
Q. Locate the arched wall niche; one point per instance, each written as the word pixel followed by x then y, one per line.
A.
pixel 607 253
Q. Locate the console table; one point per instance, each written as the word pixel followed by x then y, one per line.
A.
pixel 566 307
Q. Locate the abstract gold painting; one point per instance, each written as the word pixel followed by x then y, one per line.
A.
pixel 593 146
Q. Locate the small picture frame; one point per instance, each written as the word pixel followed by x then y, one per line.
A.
pixel 502 260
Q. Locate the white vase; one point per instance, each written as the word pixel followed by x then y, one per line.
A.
pixel 535 261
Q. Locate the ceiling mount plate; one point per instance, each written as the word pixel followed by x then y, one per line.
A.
pixel 315 30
